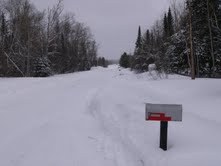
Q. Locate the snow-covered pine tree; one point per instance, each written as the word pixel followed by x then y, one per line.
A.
pixel 41 67
pixel 206 35
pixel 125 60
pixel 146 43
pixel 165 26
pixel 164 55
pixel 177 53
pixel 141 58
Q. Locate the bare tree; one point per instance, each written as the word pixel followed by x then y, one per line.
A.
pixel 178 9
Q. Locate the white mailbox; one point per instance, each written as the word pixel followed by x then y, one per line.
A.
pixel 164 112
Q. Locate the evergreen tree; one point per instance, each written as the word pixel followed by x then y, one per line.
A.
pixel 41 67
pixel 165 26
pixel 152 43
pixel 138 59
pixel 170 23
pixel 103 62
pixel 206 33
pixel 177 54
pixel 125 60
pixel 147 43
pixel 139 43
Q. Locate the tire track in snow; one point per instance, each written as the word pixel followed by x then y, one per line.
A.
pixel 115 141
pixel 92 105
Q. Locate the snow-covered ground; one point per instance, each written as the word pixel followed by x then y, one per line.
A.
pixel 96 118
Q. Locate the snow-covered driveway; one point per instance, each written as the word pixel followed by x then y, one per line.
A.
pixel 96 118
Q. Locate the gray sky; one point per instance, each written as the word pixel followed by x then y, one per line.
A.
pixel 114 23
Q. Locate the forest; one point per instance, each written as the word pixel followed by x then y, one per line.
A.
pixel 186 40
pixel 42 43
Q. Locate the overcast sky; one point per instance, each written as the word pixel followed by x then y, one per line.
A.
pixel 114 23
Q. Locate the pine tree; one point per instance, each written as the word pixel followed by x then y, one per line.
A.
pixel 139 55
pixel 176 51
pixel 41 67
pixel 139 43
pixel 170 22
pixel 125 60
pixel 206 33
pixel 165 26
pixel 103 62
pixel 152 43
pixel 147 43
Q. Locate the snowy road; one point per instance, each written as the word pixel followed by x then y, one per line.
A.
pixel 96 118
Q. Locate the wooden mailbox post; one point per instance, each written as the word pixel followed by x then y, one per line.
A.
pixel 163 113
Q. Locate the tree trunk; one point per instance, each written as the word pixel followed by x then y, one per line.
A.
pixel 193 74
pixel 211 38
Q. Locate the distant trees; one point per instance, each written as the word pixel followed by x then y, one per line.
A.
pixel 102 62
pixel 186 40
pixel 35 43
pixel 113 62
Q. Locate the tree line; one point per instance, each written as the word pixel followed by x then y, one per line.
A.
pixel 185 40
pixel 37 43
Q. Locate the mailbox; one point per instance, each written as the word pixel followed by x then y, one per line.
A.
pixel 164 113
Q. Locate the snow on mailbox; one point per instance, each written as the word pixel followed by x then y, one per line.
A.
pixel 164 113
